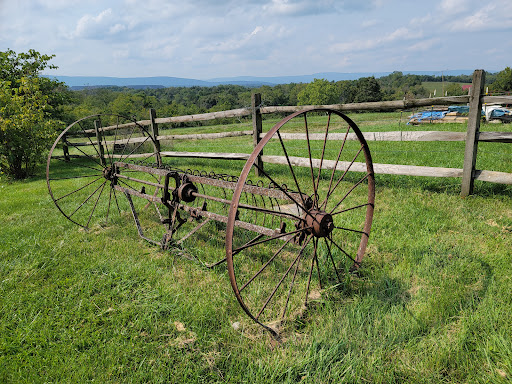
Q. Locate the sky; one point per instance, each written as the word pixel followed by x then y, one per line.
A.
pixel 204 39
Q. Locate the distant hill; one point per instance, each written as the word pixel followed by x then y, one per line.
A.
pixel 332 76
pixel 80 82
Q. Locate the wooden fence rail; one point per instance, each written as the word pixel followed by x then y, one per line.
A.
pixel 472 136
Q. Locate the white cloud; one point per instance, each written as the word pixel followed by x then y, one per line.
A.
pixel 314 7
pixel 425 45
pixel 453 7
pixel 239 42
pixel 93 27
pixel 495 15
pixel 363 45
pixel 369 23
pixel 117 28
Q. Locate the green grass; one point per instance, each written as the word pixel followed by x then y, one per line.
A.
pixel 435 85
pixel 431 305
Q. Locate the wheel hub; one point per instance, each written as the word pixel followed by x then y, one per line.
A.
pixel 321 223
pixel 109 173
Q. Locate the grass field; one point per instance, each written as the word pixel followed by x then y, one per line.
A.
pixel 431 303
pixel 439 87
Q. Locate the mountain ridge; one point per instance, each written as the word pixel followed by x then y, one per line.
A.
pixel 79 82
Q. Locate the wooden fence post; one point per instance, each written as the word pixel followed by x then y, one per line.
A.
pixel 257 129
pixel 474 117
pixel 154 132
pixel 99 139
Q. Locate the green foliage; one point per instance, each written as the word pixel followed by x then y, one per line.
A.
pixel 454 89
pixel 14 67
pixel 503 80
pixel 318 92
pixel 29 106
pixel 367 89
pixel 25 130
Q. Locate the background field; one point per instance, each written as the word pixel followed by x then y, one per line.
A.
pixel 432 303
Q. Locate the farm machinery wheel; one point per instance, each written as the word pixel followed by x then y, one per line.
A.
pixel 324 217
pixel 81 172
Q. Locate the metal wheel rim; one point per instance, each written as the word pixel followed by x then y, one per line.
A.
pixel 238 191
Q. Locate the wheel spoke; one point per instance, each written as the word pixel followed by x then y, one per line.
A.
pixel 75 164
pixel 285 192
pixel 127 141
pixel 289 166
pixel 86 200
pixel 137 147
pixel 349 192
pixel 330 192
pixel 315 246
pixel 237 250
pixel 284 276
pixel 336 162
pixel 117 203
pixel 292 283
pixel 322 157
pixel 341 249
pixel 90 141
pixel 329 253
pixel 96 203
pixel 86 155
pixel 110 157
pixel 350 209
pixel 109 201
pixel 265 265
pixel 75 177
pixel 79 189
pixel 318 267
pixel 310 159
pixel 272 291
pixel 352 230
pixel 128 185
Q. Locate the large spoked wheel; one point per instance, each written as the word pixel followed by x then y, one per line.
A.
pixel 82 172
pixel 320 165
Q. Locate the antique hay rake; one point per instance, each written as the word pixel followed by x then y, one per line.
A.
pixel 293 230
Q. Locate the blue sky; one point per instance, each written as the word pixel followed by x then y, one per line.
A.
pixel 204 39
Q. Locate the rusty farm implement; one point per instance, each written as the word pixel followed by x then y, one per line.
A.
pixel 295 220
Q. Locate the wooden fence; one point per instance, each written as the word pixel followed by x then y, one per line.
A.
pixel 471 137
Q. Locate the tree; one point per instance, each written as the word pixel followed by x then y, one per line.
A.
pixel 454 89
pixel 367 89
pixel 25 130
pixel 29 109
pixel 503 80
pixel 319 92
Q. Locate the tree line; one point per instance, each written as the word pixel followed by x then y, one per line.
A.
pixel 176 101
pixel 34 109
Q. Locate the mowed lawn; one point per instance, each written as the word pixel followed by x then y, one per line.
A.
pixel 432 302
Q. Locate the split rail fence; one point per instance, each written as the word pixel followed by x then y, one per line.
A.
pixel 471 137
